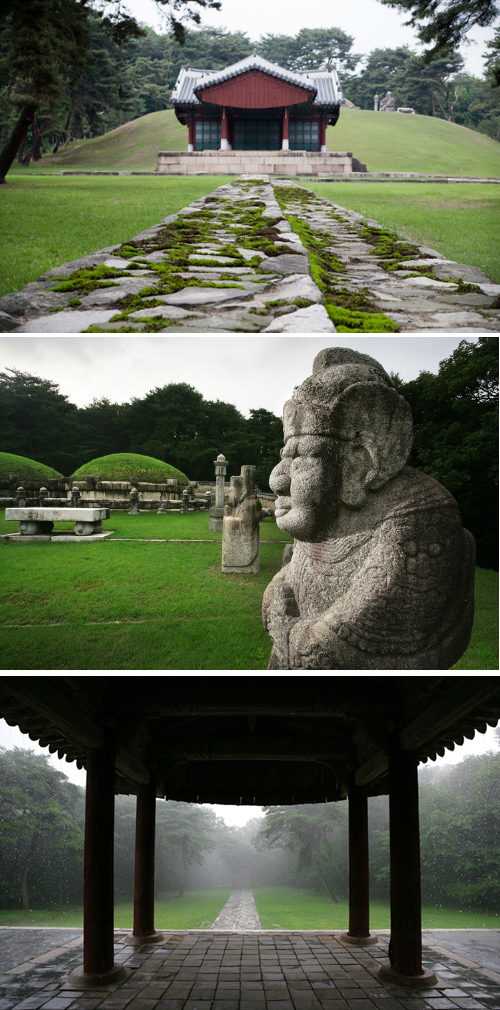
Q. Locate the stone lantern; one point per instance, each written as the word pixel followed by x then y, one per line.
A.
pixel 216 513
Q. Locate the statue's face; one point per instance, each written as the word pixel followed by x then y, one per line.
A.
pixel 308 483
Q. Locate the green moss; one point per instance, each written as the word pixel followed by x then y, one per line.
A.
pixel 350 311
pixel 90 279
pixel 25 468
pixel 122 465
pixel 74 302
pixel 348 321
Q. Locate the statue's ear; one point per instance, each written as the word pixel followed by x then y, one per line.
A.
pixel 359 466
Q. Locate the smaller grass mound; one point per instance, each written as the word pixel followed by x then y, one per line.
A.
pixel 122 465
pixel 26 469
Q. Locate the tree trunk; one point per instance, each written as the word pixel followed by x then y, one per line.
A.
pixel 186 867
pixel 24 878
pixel 323 881
pixel 15 140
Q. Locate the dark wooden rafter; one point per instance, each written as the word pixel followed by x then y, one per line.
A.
pixel 253 739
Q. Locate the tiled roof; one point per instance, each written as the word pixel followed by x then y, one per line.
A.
pixel 325 83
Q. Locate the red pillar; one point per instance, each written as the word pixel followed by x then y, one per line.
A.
pixel 405 949
pixel 322 132
pixel 224 139
pixel 191 132
pixel 359 886
pixel 98 894
pixel 144 881
pixel 285 143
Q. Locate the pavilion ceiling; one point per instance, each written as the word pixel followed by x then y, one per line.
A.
pixel 263 740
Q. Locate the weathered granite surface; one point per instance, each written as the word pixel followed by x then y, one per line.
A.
pixel 381 576
pixel 243 269
pixel 240 526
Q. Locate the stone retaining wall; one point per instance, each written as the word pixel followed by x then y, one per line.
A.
pixel 269 162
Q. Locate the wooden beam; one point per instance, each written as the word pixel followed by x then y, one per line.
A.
pixel 376 766
pixel 131 767
pixel 451 709
pixel 40 696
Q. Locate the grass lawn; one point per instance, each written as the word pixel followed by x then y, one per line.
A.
pixel 195 910
pixel 460 221
pixel 278 908
pixel 47 221
pixel 135 604
pixel 287 908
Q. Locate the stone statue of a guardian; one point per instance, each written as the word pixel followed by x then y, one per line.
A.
pixel 381 572
pixel 240 526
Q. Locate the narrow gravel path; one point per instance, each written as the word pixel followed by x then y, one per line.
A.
pixel 239 912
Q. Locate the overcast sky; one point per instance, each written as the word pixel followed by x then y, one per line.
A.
pixel 11 737
pixel 249 372
pixel 373 25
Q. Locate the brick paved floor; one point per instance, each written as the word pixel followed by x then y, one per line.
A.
pixel 244 970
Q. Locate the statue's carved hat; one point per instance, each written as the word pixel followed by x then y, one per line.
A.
pixel 350 396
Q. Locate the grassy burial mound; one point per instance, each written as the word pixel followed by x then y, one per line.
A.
pixel 24 468
pixel 386 142
pixel 404 143
pixel 122 465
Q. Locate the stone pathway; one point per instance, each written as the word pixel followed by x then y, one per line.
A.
pixel 266 970
pixel 233 262
pixel 239 912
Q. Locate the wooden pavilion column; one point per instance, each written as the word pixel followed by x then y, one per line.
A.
pixel 285 127
pixel 98 885
pixel 405 948
pixel 359 874
pixel 224 133
pixel 144 880
pixel 322 133
pixel 191 132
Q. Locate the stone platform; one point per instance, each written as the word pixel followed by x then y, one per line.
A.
pixel 235 970
pixel 241 268
pixel 250 162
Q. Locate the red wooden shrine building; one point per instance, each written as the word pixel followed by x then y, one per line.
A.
pixel 251 740
pixel 255 105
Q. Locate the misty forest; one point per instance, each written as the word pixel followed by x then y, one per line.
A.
pixel 299 849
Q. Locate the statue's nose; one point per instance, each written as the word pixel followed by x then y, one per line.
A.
pixel 279 481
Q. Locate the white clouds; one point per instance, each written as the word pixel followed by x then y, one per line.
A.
pixel 250 372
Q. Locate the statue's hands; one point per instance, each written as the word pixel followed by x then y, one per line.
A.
pixel 310 642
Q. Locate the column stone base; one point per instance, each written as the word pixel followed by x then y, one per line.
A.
pixel 425 981
pixel 138 941
pixel 216 515
pixel 82 979
pixel 358 941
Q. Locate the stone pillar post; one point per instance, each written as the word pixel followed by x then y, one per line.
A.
pixel 144 880
pixel 185 502
pixel 322 134
pixel 75 496
pixel 405 950
pixel 20 497
pixel 285 145
pixel 224 135
pixel 375 103
pixel 98 898
pixel 216 513
pixel 359 885
pixel 191 133
pixel 134 502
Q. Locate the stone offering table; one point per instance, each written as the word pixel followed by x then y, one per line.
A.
pixel 39 522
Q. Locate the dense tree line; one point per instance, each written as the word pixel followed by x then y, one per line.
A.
pixel 41 840
pixel 173 423
pixel 105 71
pixel 455 416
